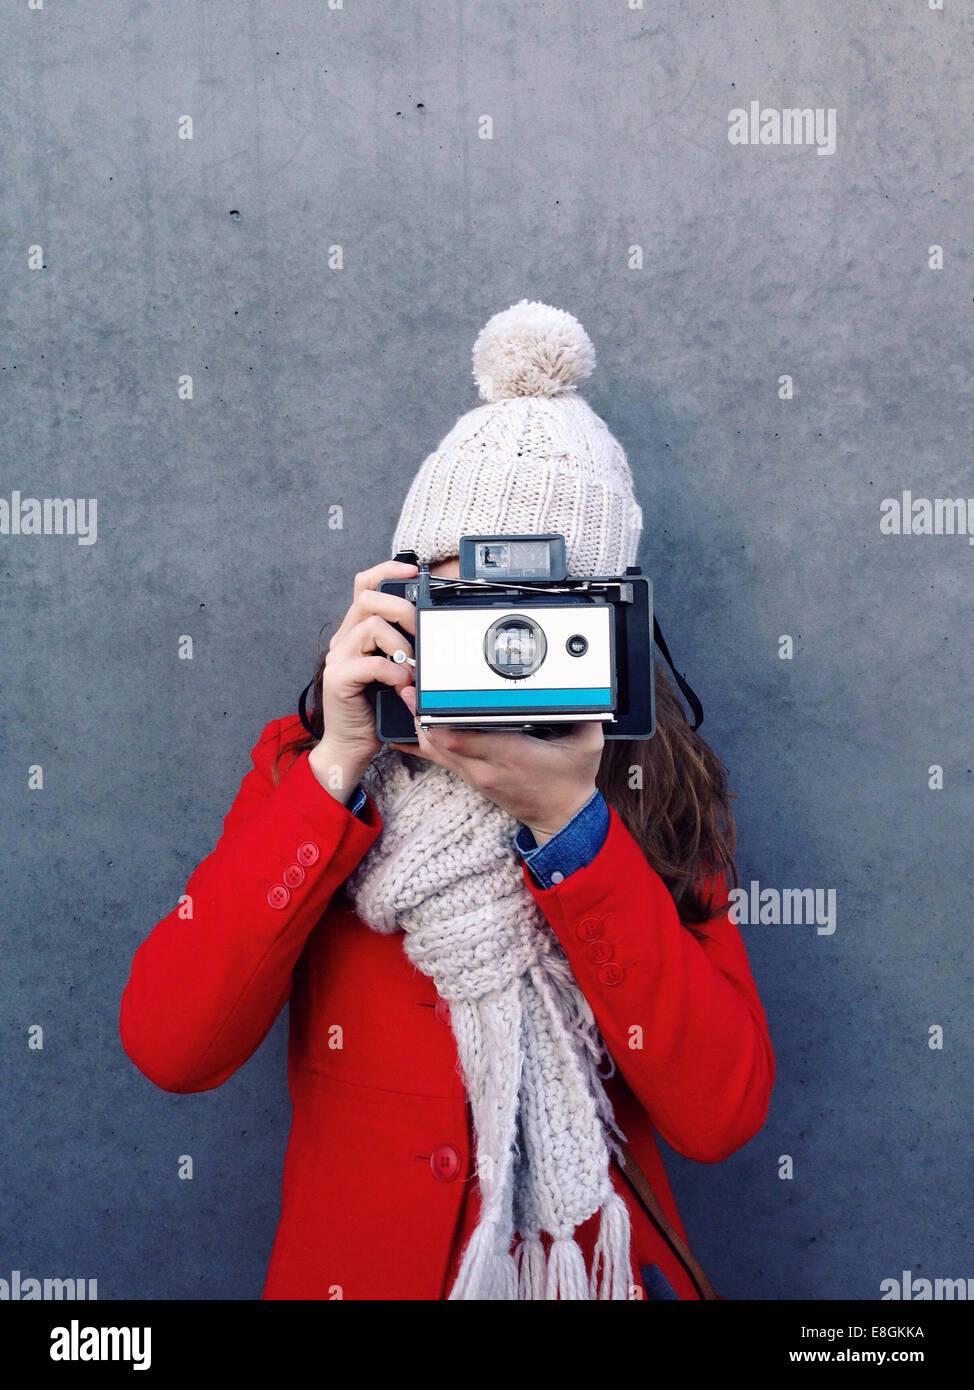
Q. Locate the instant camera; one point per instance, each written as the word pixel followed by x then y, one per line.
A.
pixel 513 643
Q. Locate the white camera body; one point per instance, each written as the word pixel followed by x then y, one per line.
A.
pixel 514 642
pixel 492 665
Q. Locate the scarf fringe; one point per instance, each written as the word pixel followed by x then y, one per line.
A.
pixel 612 1252
pixel 532 1267
pixel 485 1271
pixel 566 1270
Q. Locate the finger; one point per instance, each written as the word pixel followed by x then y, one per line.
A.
pixel 386 569
pixel 372 632
pixel 370 602
pixel 585 734
pixel 403 747
pixel 491 745
pixel 353 675
pixel 450 742
pixel 496 745
pixel 364 583
pixel 352 679
pixel 426 748
pixel 413 748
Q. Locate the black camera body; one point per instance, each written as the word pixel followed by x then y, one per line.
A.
pixel 514 643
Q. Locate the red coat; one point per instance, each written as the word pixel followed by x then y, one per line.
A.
pixel 377 1193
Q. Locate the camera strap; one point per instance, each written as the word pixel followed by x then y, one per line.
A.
pixel 303 710
pixel 682 682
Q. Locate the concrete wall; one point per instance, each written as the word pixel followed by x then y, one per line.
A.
pixel 359 127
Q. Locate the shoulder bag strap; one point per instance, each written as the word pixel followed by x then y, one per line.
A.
pixel 637 1180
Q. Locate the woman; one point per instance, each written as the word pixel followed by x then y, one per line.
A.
pixel 503 954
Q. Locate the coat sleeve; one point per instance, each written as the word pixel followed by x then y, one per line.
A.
pixel 680 1016
pixel 208 981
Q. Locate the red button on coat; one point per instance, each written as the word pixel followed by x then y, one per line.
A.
pixel 293 875
pixel 589 928
pixel 612 974
pixel 600 952
pixel 308 853
pixel 278 896
pixel 445 1162
pixel 442 1011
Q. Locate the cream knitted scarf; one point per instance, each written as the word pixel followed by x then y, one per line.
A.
pixel 444 869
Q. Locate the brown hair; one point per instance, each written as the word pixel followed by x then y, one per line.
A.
pixel 670 792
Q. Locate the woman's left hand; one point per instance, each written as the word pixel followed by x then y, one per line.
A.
pixel 541 782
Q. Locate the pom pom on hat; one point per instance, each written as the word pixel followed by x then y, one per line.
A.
pixel 531 349
pixel 535 458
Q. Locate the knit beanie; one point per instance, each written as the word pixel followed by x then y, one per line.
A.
pixel 536 458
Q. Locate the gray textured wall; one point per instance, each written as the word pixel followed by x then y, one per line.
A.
pixel 316 386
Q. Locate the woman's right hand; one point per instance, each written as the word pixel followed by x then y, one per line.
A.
pixel 350 740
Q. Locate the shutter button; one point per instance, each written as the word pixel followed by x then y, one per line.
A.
pixel 445 1162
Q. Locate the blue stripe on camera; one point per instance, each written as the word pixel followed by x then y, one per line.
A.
pixel 464 699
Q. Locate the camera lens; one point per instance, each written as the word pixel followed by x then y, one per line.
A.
pixel 514 646
pixel 577 645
